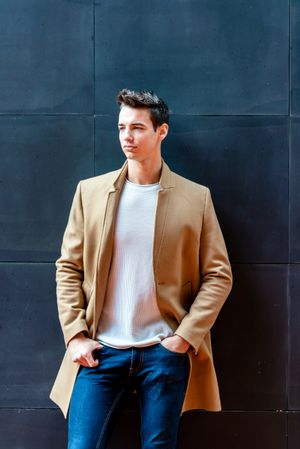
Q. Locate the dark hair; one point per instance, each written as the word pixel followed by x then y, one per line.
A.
pixel 159 111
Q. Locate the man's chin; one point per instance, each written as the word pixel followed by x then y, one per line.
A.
pixel 131 155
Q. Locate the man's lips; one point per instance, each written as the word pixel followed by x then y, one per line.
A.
pixel 129 147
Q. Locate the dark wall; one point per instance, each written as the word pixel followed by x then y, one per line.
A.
pixel 230 72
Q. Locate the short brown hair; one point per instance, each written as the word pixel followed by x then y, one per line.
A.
pixel 159 111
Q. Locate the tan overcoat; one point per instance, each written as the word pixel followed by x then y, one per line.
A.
pixel 191 271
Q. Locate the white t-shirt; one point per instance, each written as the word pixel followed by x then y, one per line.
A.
pixel 130 315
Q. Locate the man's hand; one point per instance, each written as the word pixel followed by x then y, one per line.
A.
pixel 176 344
pixel 81 350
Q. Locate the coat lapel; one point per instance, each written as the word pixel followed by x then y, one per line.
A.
pixel 166 186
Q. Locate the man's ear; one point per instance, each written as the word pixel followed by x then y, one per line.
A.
pixel 163 131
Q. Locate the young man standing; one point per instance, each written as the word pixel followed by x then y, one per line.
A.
pixel 142 276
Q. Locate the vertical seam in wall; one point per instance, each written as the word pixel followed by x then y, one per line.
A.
pixel 288 357
pixel 288 294
pixel 289 275
pixel 287 430
pixel 290 60
pixel 288 335
pixel 289 190
pixel 289 225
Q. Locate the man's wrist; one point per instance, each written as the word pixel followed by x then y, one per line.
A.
pixel 184 344
pixel 80 335
pixel 182 339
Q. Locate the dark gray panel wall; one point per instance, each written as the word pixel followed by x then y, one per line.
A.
pixel 47 56
pixel 34 429
pixel 295 189
pixel 251 373
pixel 230 73
pixel 207 57
pixel 31 340
pixel 294 357
pixel 43 158
pixel 293 430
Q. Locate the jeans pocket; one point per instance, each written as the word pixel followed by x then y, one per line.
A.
pixel 97 352
pixel 180 354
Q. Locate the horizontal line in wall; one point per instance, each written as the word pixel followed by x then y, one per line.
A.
pixel 78 114
pixel 67 114
pixel 16 262
pixel 228 115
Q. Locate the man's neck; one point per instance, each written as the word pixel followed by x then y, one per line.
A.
pixel 144 172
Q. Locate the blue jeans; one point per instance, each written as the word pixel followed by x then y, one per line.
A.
pixel 158 375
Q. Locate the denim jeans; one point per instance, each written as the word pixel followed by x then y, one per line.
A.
pixel 158 375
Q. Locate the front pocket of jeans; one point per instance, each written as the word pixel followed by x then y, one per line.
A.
pixel 172 352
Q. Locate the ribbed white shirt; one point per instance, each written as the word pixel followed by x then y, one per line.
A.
pixel 130 316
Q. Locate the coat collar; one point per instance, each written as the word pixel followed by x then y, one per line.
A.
pixel 166 181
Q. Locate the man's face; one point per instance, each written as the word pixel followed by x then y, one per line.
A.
pixel 139 140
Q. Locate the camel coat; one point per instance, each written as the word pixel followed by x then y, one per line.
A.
pixel 191 271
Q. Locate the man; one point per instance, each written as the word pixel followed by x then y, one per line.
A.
pixel 142 276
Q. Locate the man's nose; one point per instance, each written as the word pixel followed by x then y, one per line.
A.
pixel 128 134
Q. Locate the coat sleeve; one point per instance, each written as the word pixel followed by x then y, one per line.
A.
pixel 216 280
pixel 69 273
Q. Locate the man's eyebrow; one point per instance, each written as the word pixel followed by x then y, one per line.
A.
pixel 133 124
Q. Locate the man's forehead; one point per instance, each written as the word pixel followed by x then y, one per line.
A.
pixel 130 115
